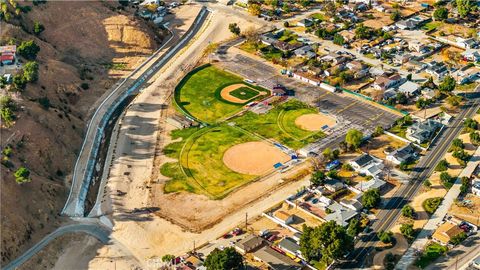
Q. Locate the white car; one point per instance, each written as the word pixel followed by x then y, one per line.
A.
pixel 476 262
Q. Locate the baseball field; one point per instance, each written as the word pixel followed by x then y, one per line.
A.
pixel 210 94
pixel 216 159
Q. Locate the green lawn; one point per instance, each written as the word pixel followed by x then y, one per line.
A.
pixel 200 168
pixel 196 94
pixel 244 93
pixel 431 25
pixel 431 252
pixel 319 16
pixel 279 124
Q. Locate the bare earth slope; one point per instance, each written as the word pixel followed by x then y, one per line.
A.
pixel 80 43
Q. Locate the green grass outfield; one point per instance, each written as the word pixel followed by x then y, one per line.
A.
pixel 200 168
pixel 198 94
pixel 279 124
pixel 244 93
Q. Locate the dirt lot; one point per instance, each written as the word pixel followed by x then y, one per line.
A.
pixel 378 145
pixel 254 158
pixel 301 218
pixel 468 212
pixel 314 122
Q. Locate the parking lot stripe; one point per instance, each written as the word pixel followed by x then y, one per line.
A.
pixel 346 107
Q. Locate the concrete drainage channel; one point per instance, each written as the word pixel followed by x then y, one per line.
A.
pixel 94 169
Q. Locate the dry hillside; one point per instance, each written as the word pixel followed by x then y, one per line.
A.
pixel 93 43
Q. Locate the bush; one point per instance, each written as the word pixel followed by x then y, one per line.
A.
pixel 22 175
pixel 447 180
pixel 385 237
pixel 85 86
pixel 7 108
pixel 30 71
pixel 407 231
pixel 430 205
pixel 457 239
pixel 427 183
pixel 465 185
pixel 457 145
pixel 38 28
pixel 431 253
pixel 407 211
pixel 44 102
pixel 347 167
pixel 28 49
pixel 442 166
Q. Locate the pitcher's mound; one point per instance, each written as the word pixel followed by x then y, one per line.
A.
pixel 314 121
pixel 254 158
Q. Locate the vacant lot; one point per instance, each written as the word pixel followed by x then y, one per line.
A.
pixel 279 124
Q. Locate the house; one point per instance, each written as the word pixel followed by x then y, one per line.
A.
pixel 352 205
pixel 268 39
pixel 402 58
pixel 333 185
pixel 409 88
pixel 417 45
pixel 471 55
pixel 421 132
pixel 412 22
pixel 305 23
pixel 348 36
pixel 305 51
pixel 180 122
pixel 428 93
pixel 249 243
pixel 355 66
pixel 468 43
pixel 438 69
pixel 445 232
pixel 306 77
pixel 275 260
pixel 403 154
pixel 370 184
pixel 8 54
pixel 383 82
pixel 466 75
pixel 341 216
pixel 367 164
pixel 290 247
pixel 284 217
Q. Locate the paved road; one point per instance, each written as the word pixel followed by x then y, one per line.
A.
pixel 95 132
pixel 93 229
pixel 392 208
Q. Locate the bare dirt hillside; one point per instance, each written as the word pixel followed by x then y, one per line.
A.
pixel 89 43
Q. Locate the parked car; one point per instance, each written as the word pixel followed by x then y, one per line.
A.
pixel 237 232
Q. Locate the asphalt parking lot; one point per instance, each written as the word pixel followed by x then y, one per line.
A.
pixel 350 112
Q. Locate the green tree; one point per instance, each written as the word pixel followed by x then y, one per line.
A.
pixel 234 28
pixel 327 242
pixel 7 108
pixel 440 14
pixel 475 138
pixel 457 145
pixel 465 185
pixel 378 131
pixel 427 183
pixel 464 7
pixel 224 259
pixel 442 165
pixel 409 76
pixel 362 32
pixel 457 239
pixel 168 258
pixel 371 198
pixel 338 39
pixel 470 124
pixel 407 211
pixel 28 49
pixel 317 178
pixel 354 138
pixel 446 179
pixel 254 9
pixel 22 175
pixel 430 205
pixel 447 85
pixel 395 15
pixel 30 71
pixel 353 227
pixel 385 236
pixel 38 28
pixel 462 157
pixel 407 230
pixel 18 82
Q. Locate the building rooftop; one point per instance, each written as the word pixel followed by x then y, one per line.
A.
pixel 275 260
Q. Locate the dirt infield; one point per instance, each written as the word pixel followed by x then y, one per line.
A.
pixel 314 121
pixel 225 93
pixel 254 158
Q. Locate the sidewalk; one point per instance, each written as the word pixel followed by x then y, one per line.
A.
pixel 422 239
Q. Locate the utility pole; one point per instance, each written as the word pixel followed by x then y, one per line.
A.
pixel 193 246
pixel 246 223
